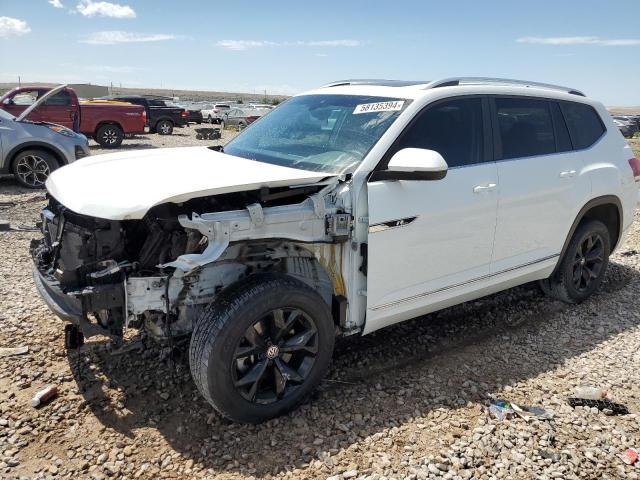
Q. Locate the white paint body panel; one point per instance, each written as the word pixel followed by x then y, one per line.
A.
pixel 124 186
pixel 537 206
pixel 449 242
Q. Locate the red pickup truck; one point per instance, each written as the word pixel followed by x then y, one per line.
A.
pixel 106 122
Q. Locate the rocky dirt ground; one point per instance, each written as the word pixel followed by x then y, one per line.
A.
pixel 405 402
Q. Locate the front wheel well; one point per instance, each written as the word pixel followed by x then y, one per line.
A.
pixel 59 158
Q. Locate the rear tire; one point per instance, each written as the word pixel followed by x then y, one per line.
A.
pixel 164 127
pixel 261 347
pixel 32 167
pixel 109 136
pixel 583 267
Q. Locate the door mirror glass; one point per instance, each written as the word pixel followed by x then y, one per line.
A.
pixel 413 164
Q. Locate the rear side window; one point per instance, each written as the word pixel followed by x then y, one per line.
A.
pixel 584 124
pixel 59 99
pixel 452 128
pixel 525 127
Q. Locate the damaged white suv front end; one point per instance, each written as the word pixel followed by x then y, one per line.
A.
pixel 160 239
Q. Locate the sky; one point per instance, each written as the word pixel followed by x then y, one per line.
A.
pixel 285 47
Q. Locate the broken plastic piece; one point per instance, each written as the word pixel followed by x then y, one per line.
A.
pixel 500 409
pixel 532 412
pixel 630 456
pixel 43 396
pixel 616 408
pixel 10 351
pixel 590 393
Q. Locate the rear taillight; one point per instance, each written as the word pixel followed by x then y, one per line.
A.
pixel 183 113
pixel 144 115
pixel 634 163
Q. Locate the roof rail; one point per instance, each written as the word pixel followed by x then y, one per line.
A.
pixel 377 82
pixel 455 81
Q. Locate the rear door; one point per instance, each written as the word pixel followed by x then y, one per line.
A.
pixel 543 182
pixel 427 239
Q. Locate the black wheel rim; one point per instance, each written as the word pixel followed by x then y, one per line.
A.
pixel 275 356
pixel 110 136
pixel 588 262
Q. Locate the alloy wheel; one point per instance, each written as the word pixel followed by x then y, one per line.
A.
pixel 275 356
pixel 588 261
pixel 110 136
pixel 32 170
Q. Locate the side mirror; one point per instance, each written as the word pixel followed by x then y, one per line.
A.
pixel 413 164
pixel 7 101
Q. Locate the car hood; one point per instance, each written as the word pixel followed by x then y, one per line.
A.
pixel 124 186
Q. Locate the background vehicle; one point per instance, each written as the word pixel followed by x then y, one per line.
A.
pixel 106 122
pixel 194 114
pixel 212 113
pixel 240 118
pixel 627 129
pixel 345 210
pixel 162 116
pixel 31 151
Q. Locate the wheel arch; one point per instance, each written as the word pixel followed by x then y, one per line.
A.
pixel 35 145
pixel 608 210
pixel 316 265
pixel 107 122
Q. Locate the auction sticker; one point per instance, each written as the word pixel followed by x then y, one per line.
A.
pixel 379 107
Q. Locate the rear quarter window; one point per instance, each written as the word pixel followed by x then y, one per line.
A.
pixel 584 123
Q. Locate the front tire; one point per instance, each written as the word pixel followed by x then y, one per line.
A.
pixel 583 267
pixel 32 167
pixel 261 347
pixel 164 127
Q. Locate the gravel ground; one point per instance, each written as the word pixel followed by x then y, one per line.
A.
pixel 405 402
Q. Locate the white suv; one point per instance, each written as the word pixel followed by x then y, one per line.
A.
pixel 346 209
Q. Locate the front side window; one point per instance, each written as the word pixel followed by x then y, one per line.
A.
pixel 584 124
pixel 325 133
pixel 525 127
pixel 452 128
pixel 25 98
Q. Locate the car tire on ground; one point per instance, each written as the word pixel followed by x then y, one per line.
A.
pixel 164 127
pixel 583 267
pixel 261 347
pixel 32 167
pixel 209 119
pixel 109 136
pixel 222 125
pixel 241 126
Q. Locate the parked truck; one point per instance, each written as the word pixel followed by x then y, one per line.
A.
pixel 163 116
pixel 107 122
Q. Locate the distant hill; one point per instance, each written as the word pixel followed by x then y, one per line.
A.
pixel 625 110
pixel 190 95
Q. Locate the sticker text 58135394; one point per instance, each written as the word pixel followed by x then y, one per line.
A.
pixel 379 107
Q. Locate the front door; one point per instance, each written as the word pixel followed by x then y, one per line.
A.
pixel 428 238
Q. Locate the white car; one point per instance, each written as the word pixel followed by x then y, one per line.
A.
pixel 212 113
pixel 345 210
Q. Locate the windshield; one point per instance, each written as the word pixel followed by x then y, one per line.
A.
pixel 324 133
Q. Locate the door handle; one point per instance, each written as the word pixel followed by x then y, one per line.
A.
pixel 484 188
pixel 568 174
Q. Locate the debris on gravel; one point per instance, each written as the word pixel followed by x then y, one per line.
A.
pixel 406 402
